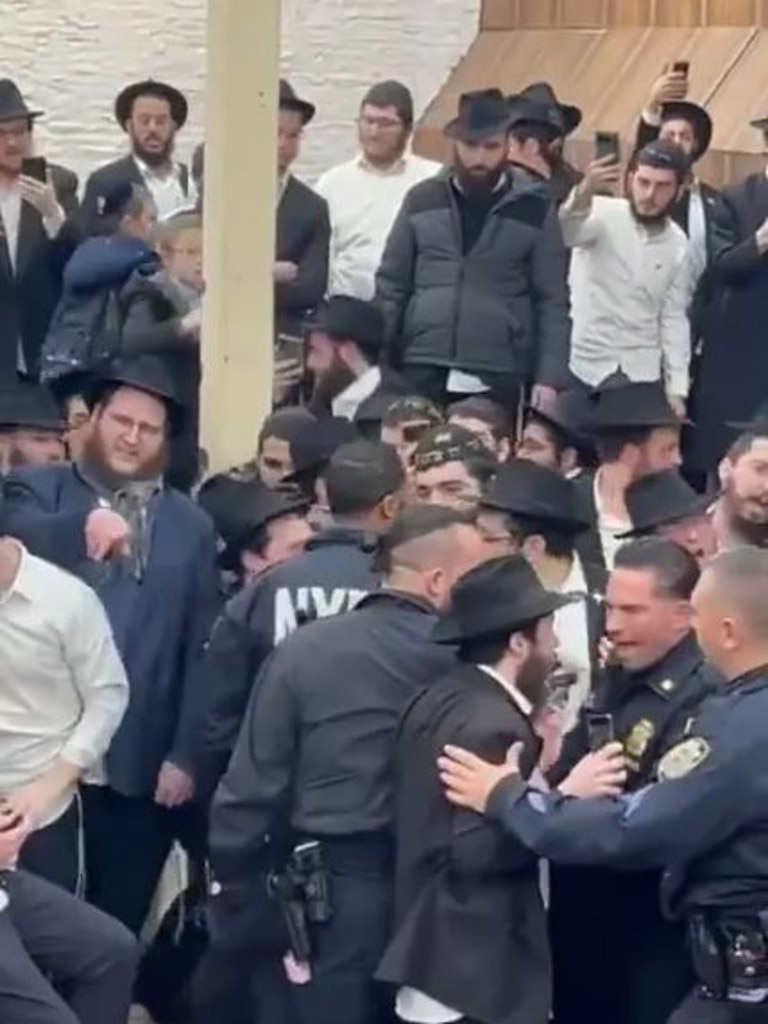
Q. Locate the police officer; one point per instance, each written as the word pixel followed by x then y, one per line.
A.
pixel 364 481
pixel 656 679
pixel 704 820
pixel 49 940
pixel 316 751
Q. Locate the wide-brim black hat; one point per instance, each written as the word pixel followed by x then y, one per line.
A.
pixel 662 498
pixel 496 597
pixel 12 104
pixel 525 489
pixel 631 406
pixel 176 99
pixel 542 92
pixel 143 373
pixel 30 406
pixel 696 116
pixel 239 508
pixel 481 114
pixel 565 416
pixel 288 100
pixel 347 318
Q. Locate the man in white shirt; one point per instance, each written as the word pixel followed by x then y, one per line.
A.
pixel 63 692
pixel 364 194
pixel 630 276
pixel 636 432
pixel 345 340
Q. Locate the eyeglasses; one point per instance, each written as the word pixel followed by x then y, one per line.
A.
pixel 18 131
pixel 386 124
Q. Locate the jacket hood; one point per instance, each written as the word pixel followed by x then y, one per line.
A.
pixel 106 263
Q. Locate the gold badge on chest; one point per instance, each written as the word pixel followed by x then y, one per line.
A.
pixel 638 738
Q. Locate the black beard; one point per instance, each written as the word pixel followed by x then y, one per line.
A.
pixel 532 680
pixel 328 385
pixel 155 158
pixel 474 186
pixel 649 220
pixel 754 534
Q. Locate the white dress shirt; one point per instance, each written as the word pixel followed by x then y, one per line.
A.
pixel 63 688
pixel 351 398
pixel 609 528
pixel 167 190
pixel 630 292
pixel 363 202
pixel 572 632
pixel 413 1006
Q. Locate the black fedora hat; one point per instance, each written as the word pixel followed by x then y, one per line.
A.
pixel 347 318
pixel 239 508
pixel 288 100
pixel 542 92
pixel 565 417
pixel 530 491
pixel 696 116
pixel 661 498
pixel 31 406
pixel 12 105
pixel 176 100
pixel 499 596
pixel 631 406
pixel 481 114
pixel 143 373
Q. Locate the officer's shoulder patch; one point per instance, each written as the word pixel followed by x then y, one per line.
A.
pixel 683 758
pixel 665 687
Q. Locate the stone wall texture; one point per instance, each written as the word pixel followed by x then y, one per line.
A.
pixel 71 57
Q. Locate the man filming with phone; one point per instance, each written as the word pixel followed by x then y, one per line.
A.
pixel 654 678
pixel 629 276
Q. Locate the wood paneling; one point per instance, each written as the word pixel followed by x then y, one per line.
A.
pixel 628 13
pixel 582 13
pixel 676 13
pixel 730 12
pixel 509 14
pixel 742 97
pixel 536 13
pixel 497 14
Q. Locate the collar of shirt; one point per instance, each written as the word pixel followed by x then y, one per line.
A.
pixel 576 582
pixel 524 706
pixel 282 185
pixel 347 403
pixel 500 185
pixel 398 167
pixel 149 174
pixel 23 581
pixel 602 518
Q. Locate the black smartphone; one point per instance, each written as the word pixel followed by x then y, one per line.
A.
pixel 599 730
pixel 607 144
pixel 35 167
pixel 682 67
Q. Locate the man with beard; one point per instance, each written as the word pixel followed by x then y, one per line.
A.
pixel 473 278
pixel 31 428
pixel 346 338
pixel 151 113
pixel 630 277
pixel 150 554
pixel 470 939
pixel 741 512
pixel 540 124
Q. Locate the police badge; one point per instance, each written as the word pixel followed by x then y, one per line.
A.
pixel 683 758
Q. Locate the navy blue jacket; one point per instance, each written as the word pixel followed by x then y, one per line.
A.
pixel 705 821
pixel 329 578
pixel 161 623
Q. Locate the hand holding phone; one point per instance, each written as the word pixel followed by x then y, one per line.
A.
pixel 600 730
pixel 35 167
pixel 607 147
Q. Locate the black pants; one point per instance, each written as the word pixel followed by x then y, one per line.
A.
pixel 53 852
pixel 127 842
pixel 697 1010
pixel 49 938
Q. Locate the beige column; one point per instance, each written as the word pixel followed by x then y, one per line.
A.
pixel 240 190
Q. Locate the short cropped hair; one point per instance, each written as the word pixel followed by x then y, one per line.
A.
pixel 477 407
pixel 744 443
pixel 413 523
pixel 610 447
pixel 361 474
pixel 742 578
pixel 391 94
pixel 675 570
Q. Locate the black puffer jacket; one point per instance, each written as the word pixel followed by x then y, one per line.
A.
pixel 501 308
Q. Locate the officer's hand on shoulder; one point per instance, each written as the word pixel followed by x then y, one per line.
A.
pixel 601 773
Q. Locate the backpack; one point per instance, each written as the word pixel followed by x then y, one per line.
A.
pixel 84 330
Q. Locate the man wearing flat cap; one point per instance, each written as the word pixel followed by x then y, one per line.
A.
pixel 734 360
pixel 472 282
pixel 151 114
pixel 630 274
pixel 470 939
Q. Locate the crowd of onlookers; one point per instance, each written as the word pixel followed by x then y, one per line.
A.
pixel 518 409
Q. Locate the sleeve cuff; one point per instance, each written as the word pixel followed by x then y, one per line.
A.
pixel 507 793
pixel 650 117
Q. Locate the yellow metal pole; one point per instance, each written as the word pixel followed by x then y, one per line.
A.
pixel 239 219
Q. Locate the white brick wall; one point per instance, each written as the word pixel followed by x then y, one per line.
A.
pixel 71 57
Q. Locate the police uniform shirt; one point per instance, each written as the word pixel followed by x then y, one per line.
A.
pixel 63 688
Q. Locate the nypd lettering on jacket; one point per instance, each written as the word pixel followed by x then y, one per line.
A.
pixel 293 608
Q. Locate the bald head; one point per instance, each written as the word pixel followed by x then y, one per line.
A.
pixel 428 549
pixel 731 610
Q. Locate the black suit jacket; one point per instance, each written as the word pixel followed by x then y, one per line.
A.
pixel 470 923
pixel 29 294
pixel 104 180
pixel 303 238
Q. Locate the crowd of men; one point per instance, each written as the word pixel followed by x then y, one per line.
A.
pixel 452 693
